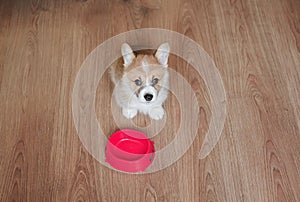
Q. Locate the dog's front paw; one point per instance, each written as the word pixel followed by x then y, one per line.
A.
pixel 157 113
pixel 129 113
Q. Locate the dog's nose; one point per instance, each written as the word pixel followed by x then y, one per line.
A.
pixel 148 97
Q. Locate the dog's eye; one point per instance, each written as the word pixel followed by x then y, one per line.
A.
pixel 138 82
pixel 155 81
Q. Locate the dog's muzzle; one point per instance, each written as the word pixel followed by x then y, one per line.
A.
pixel 147 94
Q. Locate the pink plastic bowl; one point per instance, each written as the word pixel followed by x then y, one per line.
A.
pixel 129 151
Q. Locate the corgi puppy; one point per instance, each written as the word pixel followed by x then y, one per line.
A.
pixel 141 81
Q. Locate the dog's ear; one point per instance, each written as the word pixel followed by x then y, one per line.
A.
pixel 162 54
pixel 127 54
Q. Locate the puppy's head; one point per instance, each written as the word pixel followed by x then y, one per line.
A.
pixel 146 74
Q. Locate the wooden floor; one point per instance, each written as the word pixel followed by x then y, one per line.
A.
pixel 256 47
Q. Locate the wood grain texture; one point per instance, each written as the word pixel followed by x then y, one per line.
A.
pixel 256 47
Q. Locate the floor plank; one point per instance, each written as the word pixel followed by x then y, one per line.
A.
pixel 256 47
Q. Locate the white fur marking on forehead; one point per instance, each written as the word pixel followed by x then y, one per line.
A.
pixel 145 65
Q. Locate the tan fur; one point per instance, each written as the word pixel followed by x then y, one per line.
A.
pixel 116 70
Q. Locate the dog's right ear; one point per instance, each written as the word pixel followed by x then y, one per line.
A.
pixel 127 54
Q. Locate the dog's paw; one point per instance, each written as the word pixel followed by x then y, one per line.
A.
pixel 129 113
pixel 157 113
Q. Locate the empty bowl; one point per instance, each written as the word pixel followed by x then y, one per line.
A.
pixel 129 150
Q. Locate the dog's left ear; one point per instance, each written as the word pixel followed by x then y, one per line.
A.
pixel 162 54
